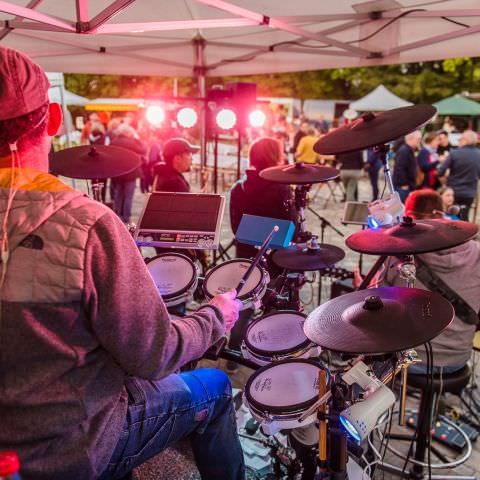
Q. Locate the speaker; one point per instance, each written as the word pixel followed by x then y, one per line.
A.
pixel 243 93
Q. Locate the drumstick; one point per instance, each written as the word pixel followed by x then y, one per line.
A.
pixel 322 429
pixel 257 258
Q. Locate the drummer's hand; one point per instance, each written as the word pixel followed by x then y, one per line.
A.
pixel 228 304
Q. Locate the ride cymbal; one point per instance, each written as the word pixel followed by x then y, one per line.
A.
pixel 300 258
pixel 412 236
pixel 300 174
pixel 372 129
pixel 93 162
pixel 379 320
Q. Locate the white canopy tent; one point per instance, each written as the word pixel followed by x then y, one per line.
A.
pixel 379 100
pixel 69 98
pixel 216 37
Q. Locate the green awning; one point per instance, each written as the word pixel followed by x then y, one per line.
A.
pixel 458 105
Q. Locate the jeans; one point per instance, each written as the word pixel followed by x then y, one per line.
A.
pixel 350 180
pixel 123 198
pixel 403 194
pixel 196 404
pixel 373 171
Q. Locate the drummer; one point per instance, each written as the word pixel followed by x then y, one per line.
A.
pixel 459 268
pixel 88 349
pixel 254 195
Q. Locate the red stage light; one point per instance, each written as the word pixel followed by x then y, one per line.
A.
pixel 155 115
pixel 257 118
pixel 187 117
pixel 226 118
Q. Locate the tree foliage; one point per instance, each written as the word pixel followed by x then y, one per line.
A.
pixel 417 82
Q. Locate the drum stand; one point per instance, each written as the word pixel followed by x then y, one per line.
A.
pixel 97 189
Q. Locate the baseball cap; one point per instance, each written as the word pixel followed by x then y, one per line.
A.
pixel 177 146
pixel 23 84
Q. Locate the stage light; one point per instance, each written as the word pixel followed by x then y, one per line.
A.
pixel 155 115
pixel 257 118
pixel 360 418
pixel 187 117
pixel 226 119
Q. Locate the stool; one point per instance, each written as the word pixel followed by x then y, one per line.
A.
pixel 448 383
pixel 174 462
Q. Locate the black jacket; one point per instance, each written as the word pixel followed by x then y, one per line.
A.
pixel 167 179
pixel 405 171
pixel 464 165
pixel 255 196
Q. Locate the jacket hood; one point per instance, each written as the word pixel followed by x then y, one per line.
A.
pixel 38 197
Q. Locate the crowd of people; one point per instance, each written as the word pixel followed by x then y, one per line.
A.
pixel 431 162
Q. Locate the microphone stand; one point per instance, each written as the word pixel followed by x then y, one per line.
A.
pixel 324 223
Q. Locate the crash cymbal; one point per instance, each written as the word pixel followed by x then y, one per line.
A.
pixel 93 162
pixel 372 129
pixel 412 236
pixel 300 258
pixel 379 320
pixel 300 174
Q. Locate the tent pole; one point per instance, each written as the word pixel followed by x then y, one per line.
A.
pixel 199 72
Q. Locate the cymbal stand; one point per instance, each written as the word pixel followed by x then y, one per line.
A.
pixel 382 151
pixel 337 438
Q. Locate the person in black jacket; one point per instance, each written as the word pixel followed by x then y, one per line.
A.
pixel 405 171
pixel 124 185
pixel 177 158
pixel 254 195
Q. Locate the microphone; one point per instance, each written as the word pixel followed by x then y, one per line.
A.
pixel 455 210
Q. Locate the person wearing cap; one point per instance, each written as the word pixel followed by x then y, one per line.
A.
pixel 177 159
pixel 88 349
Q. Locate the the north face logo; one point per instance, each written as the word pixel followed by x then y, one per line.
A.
pixel 33 242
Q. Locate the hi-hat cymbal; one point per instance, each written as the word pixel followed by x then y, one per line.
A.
pixel 372 129
pixel 93 162
pixel 300 174
pixel 300 258
pixel 379 320
pixel 412 236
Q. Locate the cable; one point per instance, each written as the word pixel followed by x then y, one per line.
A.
pixel 430 390
pixel 271 48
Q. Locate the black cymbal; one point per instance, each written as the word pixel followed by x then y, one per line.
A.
pixel 300 174
pixel 372 129
pixel 300 258
pixel 379 320
pixel 410 237
pixel 93 162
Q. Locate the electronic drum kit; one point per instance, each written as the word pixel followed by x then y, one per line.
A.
pixel 291 389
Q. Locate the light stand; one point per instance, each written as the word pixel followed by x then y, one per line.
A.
pixel 97 189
